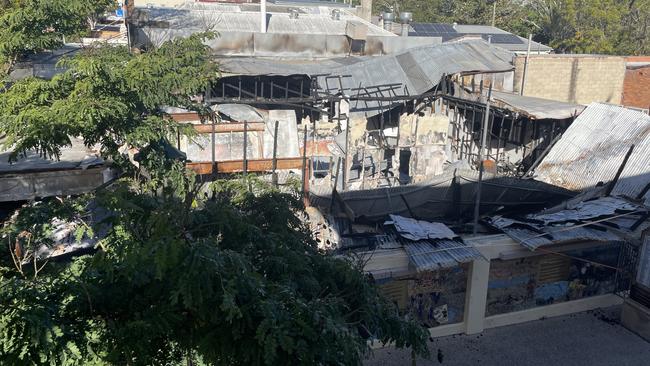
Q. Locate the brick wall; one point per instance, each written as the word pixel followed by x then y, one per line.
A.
pixel 572 78
pixel 636 90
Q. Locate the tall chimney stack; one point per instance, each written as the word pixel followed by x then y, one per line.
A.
pixel 263 16
pixel 365 12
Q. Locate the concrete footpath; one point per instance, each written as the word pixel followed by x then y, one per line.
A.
pixel 593 338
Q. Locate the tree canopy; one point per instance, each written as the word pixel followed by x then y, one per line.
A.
pixel 28 26
pixel 569 26
pixel 183 272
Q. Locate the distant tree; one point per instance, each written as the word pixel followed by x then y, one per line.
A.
pixel 28 26
pixel 224 274
pixel 635 32
pixel 579 26
pixel 569 26
pixel 107 96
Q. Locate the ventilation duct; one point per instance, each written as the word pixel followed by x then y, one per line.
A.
pixel 405 18
pixel 388 18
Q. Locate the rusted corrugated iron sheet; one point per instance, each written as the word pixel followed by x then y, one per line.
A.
pixel 593 148
pixel 230 127
pixel 253 165
pixel 580 223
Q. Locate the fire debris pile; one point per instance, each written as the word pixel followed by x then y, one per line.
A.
pixel 465 200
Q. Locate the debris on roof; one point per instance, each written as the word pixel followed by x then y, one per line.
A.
pixel 587 210
pixel 413 229
pixel 65 243
pixel 239 112
pixel 434 198
pixel 431 255
pixel 585 222
pixel 593 148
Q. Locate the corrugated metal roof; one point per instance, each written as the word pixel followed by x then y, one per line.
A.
pixel 239 112
pixel 538 108
pixel 413 229
pixel 415 71
pixel 434 198
pixel 75 156
pixel 533 236
pixel 232 19
pixel 428 255
pixel 593 148
pixel 592 209
pixel 570 225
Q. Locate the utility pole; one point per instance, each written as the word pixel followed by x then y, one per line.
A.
pixel 494 13
pixel 523 76
pixel 481 157
pixel 263 16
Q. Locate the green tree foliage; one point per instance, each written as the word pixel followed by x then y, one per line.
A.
pixel 635 33
pixel 106 96
pixel 183 273
pixel 569 26
pixel 28 26
pixel 578 26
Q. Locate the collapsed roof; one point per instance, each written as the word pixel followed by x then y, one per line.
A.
pixel 593 148
pixel 410 73
pixel 599 220
pixel 440 197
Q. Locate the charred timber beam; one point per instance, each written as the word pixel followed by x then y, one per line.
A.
pixel 230 127
pixel 253 165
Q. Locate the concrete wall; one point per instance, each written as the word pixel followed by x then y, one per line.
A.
pixel 636 90
pixel 636 318
pixel 285 44
pixel 520 284
pixel 159 2
pixel 572 78
pixel 433 298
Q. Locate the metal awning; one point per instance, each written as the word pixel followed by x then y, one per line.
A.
pixel 537 108
pixel 429 255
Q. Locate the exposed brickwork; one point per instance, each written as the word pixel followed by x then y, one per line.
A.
pixel 572 78
pixel 636 91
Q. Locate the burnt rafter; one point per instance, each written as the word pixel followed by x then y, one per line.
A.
pixel 302 91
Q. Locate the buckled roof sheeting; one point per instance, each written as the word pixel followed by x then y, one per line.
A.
pixel 593 148
pixel 415 71
pixel 570 225
pixel 413 229
pixel 430 245
pixel 428 255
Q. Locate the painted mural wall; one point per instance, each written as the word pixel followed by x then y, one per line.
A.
pixel 433 298
pixel 526 283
